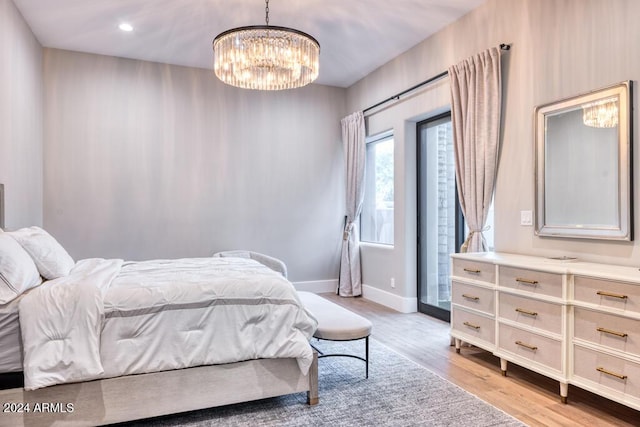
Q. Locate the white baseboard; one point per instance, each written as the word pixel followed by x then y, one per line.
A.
pixel 398 303
pixel 317 286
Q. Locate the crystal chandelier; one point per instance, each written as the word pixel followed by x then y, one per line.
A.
pixel 601 114
pixel 265 57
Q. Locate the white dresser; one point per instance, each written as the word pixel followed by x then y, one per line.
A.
pixel 575 322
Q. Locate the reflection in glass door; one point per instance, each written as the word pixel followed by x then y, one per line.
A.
pixel 440 221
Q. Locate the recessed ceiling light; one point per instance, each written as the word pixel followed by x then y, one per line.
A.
pixel 125 27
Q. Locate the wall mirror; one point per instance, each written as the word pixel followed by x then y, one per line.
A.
pixel 582 164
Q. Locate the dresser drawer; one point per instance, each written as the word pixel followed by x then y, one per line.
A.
pixel 607 293
pixel 476 297
pixel 605 329
pixel 530 312
pixel 607 371
pixel 531 346
pixel 538 282
pixel 475 270
pixel 478 326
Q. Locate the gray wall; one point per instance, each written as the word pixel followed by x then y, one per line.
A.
pixel 560 48
pixel 145 160
pixel 20 119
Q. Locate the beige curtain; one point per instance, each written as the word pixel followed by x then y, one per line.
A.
pixel 353 134
pixel 476 99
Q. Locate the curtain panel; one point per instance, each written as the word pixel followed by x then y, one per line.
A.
pixel 353 140
pixel 476 101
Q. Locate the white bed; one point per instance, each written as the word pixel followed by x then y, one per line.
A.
pixel 120 341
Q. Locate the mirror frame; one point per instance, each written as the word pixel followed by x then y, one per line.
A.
pixel 623 229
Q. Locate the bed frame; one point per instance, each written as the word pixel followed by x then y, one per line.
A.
pixel 135 397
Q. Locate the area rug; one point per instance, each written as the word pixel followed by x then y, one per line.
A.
pixel 398 392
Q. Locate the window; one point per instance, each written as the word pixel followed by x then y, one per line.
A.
pixel 376 220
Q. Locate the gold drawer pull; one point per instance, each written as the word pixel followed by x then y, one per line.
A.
pixel 471 270
pixel 609 331
pixel 526 281
pixel 471 297
pixel 609 294
pixel 471 325
pixel 527 312
pixel 530 347
pixel 613 374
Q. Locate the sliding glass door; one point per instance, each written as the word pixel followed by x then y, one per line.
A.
pixel 440 221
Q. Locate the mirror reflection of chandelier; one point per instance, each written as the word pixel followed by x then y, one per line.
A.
pixel 601 114
pixel 265 57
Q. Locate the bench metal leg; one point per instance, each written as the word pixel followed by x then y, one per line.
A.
pixel 364 359
pixel 366 355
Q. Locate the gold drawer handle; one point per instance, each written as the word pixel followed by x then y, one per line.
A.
pixel 609 331
pixel 609 294
pixel 526 281
pixel 527 312
pixel 471 270
pixel 471 297
pixel 530 347
pixel 613 374
pixel 471 325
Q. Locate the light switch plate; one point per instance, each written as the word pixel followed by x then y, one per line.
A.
pixel 526 218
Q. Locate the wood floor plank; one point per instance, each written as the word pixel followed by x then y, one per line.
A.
pixel 526 395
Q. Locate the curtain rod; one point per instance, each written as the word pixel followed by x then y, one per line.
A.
pixel 397 96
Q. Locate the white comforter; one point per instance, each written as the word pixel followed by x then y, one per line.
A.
pixel 109 318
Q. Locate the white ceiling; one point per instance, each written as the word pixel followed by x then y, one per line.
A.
pixel 356 36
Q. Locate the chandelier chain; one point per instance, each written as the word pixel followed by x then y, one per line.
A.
pixel 266 9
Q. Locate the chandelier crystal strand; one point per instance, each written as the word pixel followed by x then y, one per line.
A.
pixel 601 114
pixel 265 57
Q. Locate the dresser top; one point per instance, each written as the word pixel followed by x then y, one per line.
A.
pixel 555 265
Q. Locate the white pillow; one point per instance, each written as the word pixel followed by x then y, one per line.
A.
pixel 17 270
pixel 51 259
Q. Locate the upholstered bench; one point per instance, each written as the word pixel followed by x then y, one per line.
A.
pixel 336 323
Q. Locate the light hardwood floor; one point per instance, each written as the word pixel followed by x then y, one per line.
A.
pixel 532 398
